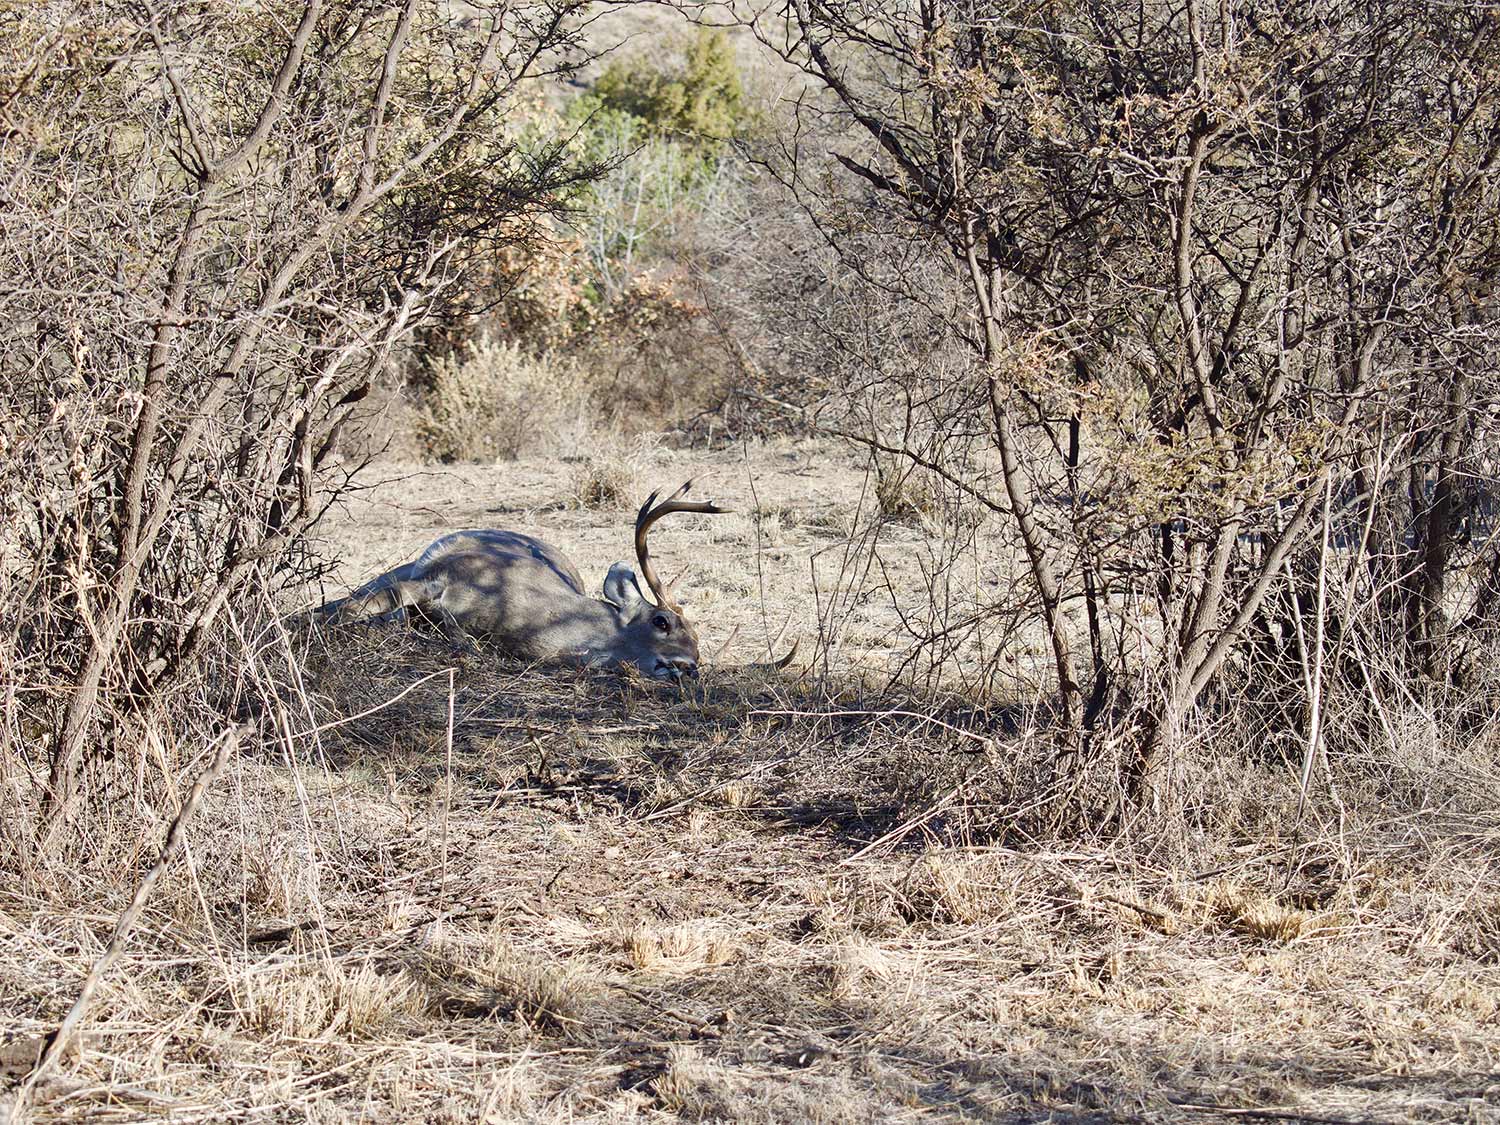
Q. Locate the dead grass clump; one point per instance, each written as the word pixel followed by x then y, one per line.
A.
pixel 861 905
pixel 311 1002
pixel 498 980
pixel 838 522
pixel 1252 912
pixel 1467 996
pixel 661 790
pixel 515 1093
pixel 685 947
pixel 267 886
pixel 859 968
pixel 1466 919
pixel 904 493
pixel 773 521
pixel 965 889
pixel 610 477
pixel 1093 974
pixel 603 484
pixel 541 994
pixel 953 887
pixel 739 795
pixel 698 1088
pixel 813 1083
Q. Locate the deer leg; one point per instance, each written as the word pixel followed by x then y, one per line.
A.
pixel 385 599
pixel 462 642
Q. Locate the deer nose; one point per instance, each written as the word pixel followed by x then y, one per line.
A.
pixel 677 669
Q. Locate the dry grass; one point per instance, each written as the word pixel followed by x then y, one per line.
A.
pixel 612 901
pixel 533 933
pixel 611 476
pixel 607 481
pixel 905 493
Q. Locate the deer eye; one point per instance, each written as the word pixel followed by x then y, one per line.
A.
pixel 660 623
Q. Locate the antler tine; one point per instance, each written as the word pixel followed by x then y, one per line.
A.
pixel 648 515
pixel 775 664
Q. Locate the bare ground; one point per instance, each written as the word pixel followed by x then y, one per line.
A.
pixel 527 894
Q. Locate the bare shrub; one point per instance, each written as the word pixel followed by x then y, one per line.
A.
pixel 497 401
pixel 205 279
pixel 615 290
pixel 653 357
pixel 1151 288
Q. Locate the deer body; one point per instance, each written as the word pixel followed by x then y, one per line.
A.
pixel 527 597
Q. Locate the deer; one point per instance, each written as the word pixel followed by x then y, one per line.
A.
pixel 527 598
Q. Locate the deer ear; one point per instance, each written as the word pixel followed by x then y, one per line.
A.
pixel 621 587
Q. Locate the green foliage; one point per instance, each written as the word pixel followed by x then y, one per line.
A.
pixel 701 98
pixel 653 190
pixel 608 292
pixel 654 136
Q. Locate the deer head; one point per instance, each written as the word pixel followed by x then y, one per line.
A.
pixel 654 635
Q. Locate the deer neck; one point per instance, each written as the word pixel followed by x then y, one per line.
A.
pixel 595 633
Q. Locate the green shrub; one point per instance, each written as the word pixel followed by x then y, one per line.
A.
pixel 702 98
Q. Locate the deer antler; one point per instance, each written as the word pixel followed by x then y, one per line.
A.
pixel 648 516
pixel 776 665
